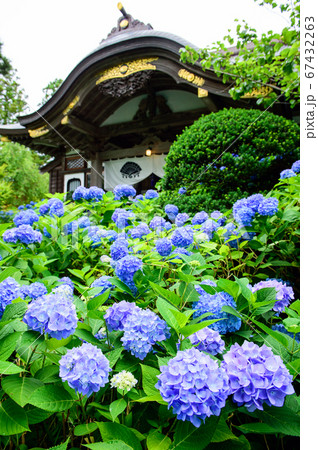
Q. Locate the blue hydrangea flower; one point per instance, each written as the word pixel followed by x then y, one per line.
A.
pixel 168 226
pixel 231 230
pixel 218 217
pixel 124 190
pixel 123 219
pixel 171 211
pixel 181 219
pixel 182 190
pixel 103 282
pixel 10 236
pixel 79 193
pixel 296 166
pixel 208 227
pixel 199 218
pixel 142 329
pixel 284 293
pixel 164 246
pixel 118 313
pixel 268 207
pixel 139 231
pixel 157 222
pixel 119 249
pixel 194 386
pixel 36 290
pixel 54 314
pixel 68 281
pixel 94 193
pixel 9 290
pixel 126 268
pixel 200 290
pixel 256 376
pixel 150 194
pixel 287 173
pixel 253 201
pixel 182 237
pixel 25 218
pixel 85 369
pixel 64 290
pixel 24 234
pixel 208 340
pixel 280 327
pixel 101 334
pixel 56 207
pixel 96 234
pixel 213 304
pixel 244 216
pixel 138 197
pixel 180 251
pixel 116 213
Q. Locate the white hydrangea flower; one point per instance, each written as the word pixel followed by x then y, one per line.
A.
pixel 123 380
pixel 105 259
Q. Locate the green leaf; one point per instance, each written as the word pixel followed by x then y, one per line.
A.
pixel 222 432
pixel 149 379
pixel 165 310
pixel 158 441
pixel 48 374
pixel 36 415
pixel 230 287
pixel 85 428
pixel 295 306
pixel 20 389
pixel 7 345
pixel 190 329
pixel 188 437
pixel 246 292
pixel 259 428
pixel 291 215
pixel 181 318
pixel 13 419
pixel 231 310
pixel 96 302
pixel 51 398
pixel 114 431
pixel 166 294
pixel 117 407
pixel 53 344
pixel 61 446
pixel 8 272
pixel 14 310
pixel 280 337
pixel 86 336
pixel 151 398
pixel 283 419
pixel 114 355
pixel 110 445
pixel 8 368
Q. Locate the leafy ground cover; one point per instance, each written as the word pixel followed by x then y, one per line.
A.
pixel 126 326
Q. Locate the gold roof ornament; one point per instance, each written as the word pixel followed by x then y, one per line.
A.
pixel 4 139
pixel 38 132
pixel 71 105
pixel 257 92
pixel 202 93
pixel 191 77
pixel 65 120
pixel 125 69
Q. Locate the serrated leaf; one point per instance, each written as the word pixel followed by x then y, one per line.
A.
pixel 48 374
pixel 9 368
pixel 165 310
pixel 117 407
pixel 158 441
pixel 114 431
pixel 13 419
pixel 7 345
pixel 166 294
pixel 190 329
pixel 85 428
pixel 14 310
pixel 51 398
pixel 110 445
pixel 258 427
pixel 36 415
pixel 20 389
pixel 188 437
pixel 151 398
pixel 149 379
pixel 98 301
pixel 283 420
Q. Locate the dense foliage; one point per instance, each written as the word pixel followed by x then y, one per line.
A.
pixel 123 326
pixel 21 175
pixel 226 155
pixel 268 64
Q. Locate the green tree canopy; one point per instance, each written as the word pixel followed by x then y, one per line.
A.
pixel 271 60
pixel 50 89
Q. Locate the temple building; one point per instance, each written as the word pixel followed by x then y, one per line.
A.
pixel 113 119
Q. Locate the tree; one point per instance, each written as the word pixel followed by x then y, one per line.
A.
pixel 21 174
pixel 50 89
pixel 270 62
pixel 12 97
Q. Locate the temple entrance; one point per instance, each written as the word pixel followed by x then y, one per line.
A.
pixel 147 183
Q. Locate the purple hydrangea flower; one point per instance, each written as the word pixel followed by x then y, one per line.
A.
pixel 193 385
pixel 68 281
pixel 182 237
pixel 268 207
pixel 150 194
pixel 124 190
pixel 79 193
pixel 9 290
pixel 94 193
pixel 182 190
pixel 24 234
pixel 126 268
pixel 118 313
pixel 296 166
pixel 256 376
pixel 103 282
pixel 284 293
pixel 171 211
pixel 119 249
pixel 218 217
pixel 208 340
pixel 56 207
pixel 139 231
pixel 181 219
pixel 142 329
pixel 157 222
pixel 54 314
pixel 208 227
pixel 10 236
pixel 65 290
pixel 36 290
pixel 200 290
pixel 253 201
pixel 164 246
pixel 199 218
pixel 287 173
pixel 213 304
pixel 25 218
pixel 85 369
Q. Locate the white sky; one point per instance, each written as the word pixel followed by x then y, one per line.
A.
pixel 46 40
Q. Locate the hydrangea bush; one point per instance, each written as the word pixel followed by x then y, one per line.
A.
pixel 127 325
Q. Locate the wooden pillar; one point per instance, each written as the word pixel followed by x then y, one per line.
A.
pixel 97 178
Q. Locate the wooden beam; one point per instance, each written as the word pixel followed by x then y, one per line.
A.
pixel 82 126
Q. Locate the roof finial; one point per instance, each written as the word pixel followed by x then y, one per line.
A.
pixel 124 22
pixel 127 23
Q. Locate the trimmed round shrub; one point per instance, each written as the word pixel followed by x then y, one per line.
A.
pixel 228 155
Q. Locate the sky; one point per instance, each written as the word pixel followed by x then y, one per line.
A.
pixel 45 40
